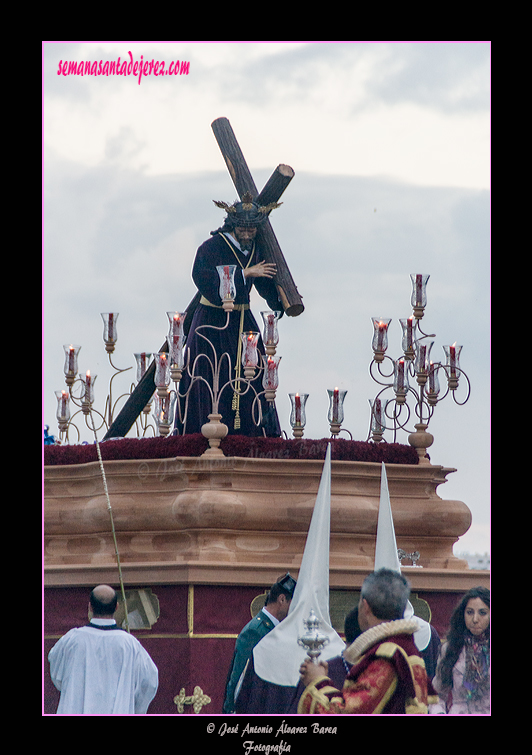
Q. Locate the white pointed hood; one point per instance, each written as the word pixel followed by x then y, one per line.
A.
pixel 386 556
pixel 277 657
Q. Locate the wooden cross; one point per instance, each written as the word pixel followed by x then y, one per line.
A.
pixel 270 251
pixel 272 191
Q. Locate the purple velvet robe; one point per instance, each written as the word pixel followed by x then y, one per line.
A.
pixel 219 251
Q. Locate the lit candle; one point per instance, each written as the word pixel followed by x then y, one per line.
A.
pixel 70 367
pixel 63 411
pixel 162 372
pixel 270 378
pixel 88 386
pixel 432 378
pixel 335 405
pixel 419 290
pixel 297 413
pixel 176 323
pixel 298 409
pixel 379 342
pixel 401 375
pixel 249 357
pixel 409 332
pixel 452 359
pixel 382 331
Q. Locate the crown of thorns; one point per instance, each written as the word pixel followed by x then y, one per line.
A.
pixel 247 209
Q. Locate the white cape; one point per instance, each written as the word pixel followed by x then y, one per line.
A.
pixel 277 657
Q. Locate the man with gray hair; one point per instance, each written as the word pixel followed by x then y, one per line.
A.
pixel 388 674
pixel 386 593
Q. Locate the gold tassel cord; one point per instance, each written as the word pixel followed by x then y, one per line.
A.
pixel 110 510
pixel 236 395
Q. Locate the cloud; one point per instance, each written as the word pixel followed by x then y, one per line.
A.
pixel 413 111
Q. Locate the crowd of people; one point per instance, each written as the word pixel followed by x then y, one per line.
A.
pixel 100 669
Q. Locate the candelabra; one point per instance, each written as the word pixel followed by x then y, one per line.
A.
pixel 414 364
pixel 390 409
pixel 80 389
pixel 169 367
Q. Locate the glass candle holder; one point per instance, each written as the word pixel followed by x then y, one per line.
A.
pixel 63 408
pixel 422 361
pixel 432 387
pixel 227 289
pixel 143 361
pixel 250 356
pixel 110 334
pixel 298 417
pixel 379 343
pixel 164 413
pixel 400 380
pixel 418 299
pixel 88 388
pixel 270 378
pixel 162 372
pixel 452 356
pixel 407 342
pixel 176 322
pixel 71 362
pixel 452 364
pixel 175 349
pixel 378 419
pixel 336 406
pixel 176 338
pixel 271 333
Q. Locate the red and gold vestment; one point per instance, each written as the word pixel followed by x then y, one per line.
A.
pixel 388 676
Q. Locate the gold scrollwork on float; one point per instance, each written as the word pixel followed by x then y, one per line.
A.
pixel 198 700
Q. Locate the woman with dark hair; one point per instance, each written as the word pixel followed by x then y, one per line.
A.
pixel 463 675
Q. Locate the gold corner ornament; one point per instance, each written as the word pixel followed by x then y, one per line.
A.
pixel 198 700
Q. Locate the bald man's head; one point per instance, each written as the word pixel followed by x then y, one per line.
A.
pixel 103 600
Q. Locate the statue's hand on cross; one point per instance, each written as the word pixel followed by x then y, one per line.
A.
pixel 261 270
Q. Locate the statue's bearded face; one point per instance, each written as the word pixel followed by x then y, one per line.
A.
pixel 245 236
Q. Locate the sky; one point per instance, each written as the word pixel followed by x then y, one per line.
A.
pixel 390 144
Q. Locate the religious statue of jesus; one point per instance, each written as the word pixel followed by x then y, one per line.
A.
pixel 234 243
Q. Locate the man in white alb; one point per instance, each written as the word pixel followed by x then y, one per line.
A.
pixel 101 669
